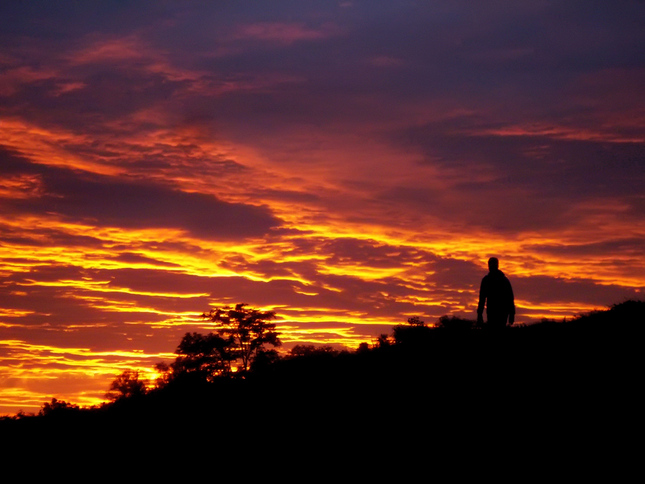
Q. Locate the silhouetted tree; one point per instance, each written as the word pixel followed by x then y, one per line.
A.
pixel 57 406
pixel 363 348
pixel 414 332
pixel 312 350
pixel 126 385
pixel 203 355
pixel 248 329
pixel 165 374
pixel 416 321
pixel 383 341
pixel 263 360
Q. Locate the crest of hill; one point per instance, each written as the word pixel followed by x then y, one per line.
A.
pixel 447 370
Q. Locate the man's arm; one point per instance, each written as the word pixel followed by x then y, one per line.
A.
pixel 511 304
pixel 482 301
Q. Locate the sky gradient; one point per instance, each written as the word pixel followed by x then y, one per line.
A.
pixel 346 164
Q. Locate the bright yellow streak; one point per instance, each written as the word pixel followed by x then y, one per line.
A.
pixel 100 286
pixel 364 272
pixel 14 313
pixel 85 352
pixel 31 374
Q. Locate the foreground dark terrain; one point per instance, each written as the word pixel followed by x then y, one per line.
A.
pixel 564 386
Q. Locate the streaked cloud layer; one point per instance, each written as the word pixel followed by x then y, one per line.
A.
pixel 347 164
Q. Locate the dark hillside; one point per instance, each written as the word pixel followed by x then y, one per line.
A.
pixel 577 379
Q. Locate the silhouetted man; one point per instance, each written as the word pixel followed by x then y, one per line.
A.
pixel 496 294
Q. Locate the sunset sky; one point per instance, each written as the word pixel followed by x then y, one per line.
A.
pixel 348 164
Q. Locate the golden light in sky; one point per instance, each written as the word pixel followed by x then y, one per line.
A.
pixel 347 166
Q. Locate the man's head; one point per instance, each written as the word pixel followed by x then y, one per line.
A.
pixel 493 264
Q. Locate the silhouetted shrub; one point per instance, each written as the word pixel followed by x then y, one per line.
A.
pixel 454 323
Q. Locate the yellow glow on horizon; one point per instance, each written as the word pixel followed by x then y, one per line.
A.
pixel 559 307
pixel 29 367
pixel 349 320
pixel 84 352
